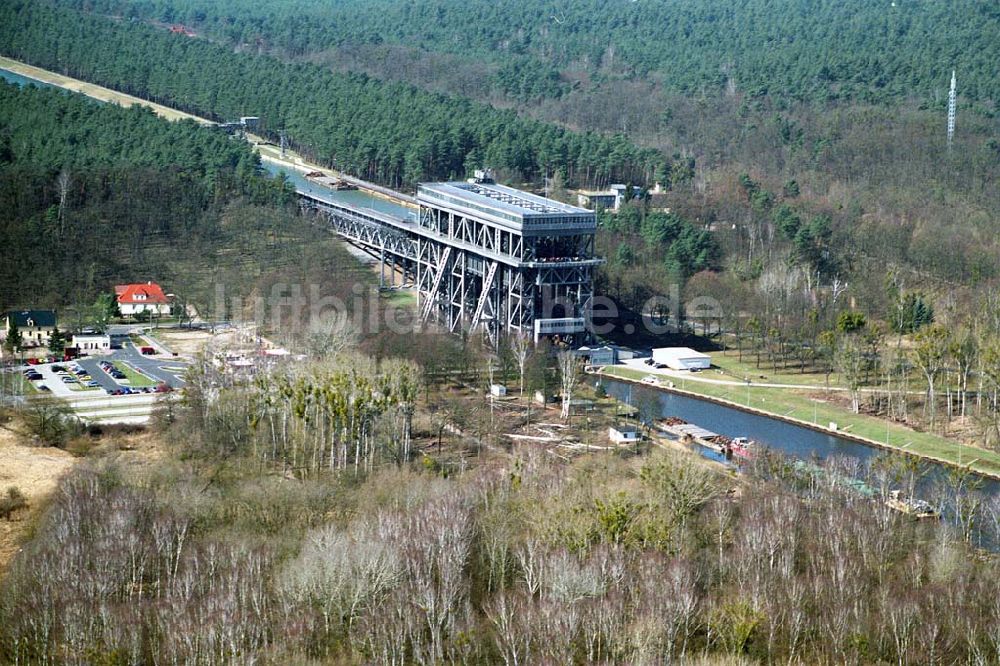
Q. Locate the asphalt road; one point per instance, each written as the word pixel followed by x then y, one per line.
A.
pixel 157 368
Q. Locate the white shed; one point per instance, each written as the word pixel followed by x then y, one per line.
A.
pixel 498 390
pixel 681 358
pixel 90 343
pixel 623 434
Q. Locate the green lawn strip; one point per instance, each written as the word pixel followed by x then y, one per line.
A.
pixel 738 370
pixel 734 369
pixel 21 385
pixel 791 403
pixel 134 378
pixel 401 298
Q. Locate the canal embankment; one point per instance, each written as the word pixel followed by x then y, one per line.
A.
pixel 796 408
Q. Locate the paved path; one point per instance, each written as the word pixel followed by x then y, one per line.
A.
pixel 155 367
pixel 54 382
pixel 133 409
pixel 95 91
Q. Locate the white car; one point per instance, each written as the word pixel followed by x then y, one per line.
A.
pixel 650 379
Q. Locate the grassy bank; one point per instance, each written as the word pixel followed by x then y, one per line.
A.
pixel 795 405
pixel 734 369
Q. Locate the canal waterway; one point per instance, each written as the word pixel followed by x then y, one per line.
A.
pixel 356 198
pixel 13 77
pixel 787 438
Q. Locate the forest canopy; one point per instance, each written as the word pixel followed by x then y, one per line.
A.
pixel 94 193
pixel 388 132
pixel 801 49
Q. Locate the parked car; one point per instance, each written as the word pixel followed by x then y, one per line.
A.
pixel 148 351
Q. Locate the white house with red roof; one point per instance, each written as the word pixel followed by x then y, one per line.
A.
pixel 135 299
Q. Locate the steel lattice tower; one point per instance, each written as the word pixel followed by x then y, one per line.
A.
pixel 952 97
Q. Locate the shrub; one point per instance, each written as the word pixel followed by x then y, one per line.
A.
pixel 12 502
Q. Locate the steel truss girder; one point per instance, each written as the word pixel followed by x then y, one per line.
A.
pixel 365 232
pixel 432 293
pixel 484 294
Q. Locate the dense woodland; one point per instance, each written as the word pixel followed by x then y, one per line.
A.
pixel 797 49
pixel 92 195
pixel 392 133
pixel 882 175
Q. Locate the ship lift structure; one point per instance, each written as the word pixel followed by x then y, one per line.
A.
pixel 484 257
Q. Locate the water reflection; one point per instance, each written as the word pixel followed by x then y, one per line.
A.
pixel 12 77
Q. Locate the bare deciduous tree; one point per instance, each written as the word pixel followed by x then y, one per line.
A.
pixel 63 183
pixel 569 369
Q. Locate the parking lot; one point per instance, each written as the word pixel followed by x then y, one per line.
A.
pixel 108 374
pixel 99 389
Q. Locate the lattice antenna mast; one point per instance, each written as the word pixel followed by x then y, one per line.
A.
pixel 952 96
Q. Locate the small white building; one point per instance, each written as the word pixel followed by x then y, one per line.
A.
pixel 682 358
pixel 605 355
pixel 498 390
pixel 623 434
pixel 87 343
pixel 610 199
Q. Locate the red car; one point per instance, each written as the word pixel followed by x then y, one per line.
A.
pixel 147 350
